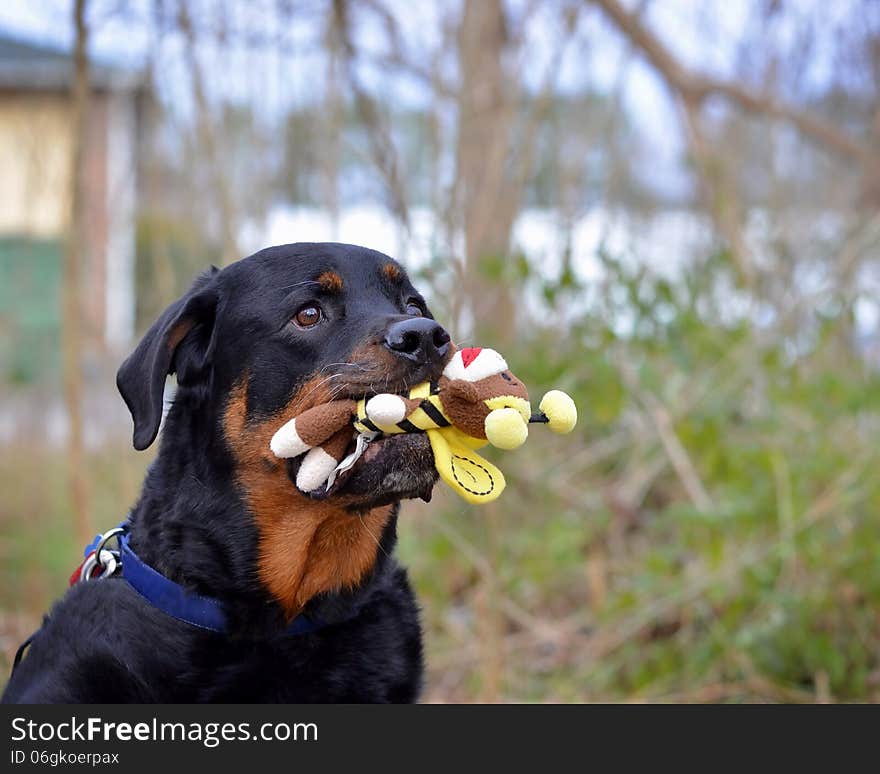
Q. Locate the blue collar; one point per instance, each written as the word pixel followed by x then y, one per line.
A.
pixel 178 602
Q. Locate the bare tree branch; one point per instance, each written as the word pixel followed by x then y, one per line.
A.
pixel 208 137
pixel 662 421
pixel 696 88
pixel 543 104
pixel 381 145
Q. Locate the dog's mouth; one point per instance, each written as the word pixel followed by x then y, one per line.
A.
pixel 391 468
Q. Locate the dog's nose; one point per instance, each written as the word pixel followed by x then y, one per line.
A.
pixel 418 339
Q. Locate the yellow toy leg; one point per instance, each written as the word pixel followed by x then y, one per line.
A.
pixel 474 478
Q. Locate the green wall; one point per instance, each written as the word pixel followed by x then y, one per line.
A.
pixel 30 309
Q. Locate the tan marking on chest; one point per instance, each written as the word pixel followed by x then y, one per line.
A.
pixel 305 547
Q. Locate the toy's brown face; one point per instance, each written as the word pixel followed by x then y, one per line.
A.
pixel 468 403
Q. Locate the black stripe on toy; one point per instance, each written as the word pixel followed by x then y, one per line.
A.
pixel 434 413
pixel 369 425
pixel 407 426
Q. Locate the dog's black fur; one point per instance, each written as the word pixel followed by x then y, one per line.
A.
pixel 235 330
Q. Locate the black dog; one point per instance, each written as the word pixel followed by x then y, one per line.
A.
pixel 254 345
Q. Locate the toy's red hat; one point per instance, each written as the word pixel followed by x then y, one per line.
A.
pixel 474 363
pixel 469 355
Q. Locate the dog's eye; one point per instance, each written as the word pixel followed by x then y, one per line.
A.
pixel 309 316
pixel 413 309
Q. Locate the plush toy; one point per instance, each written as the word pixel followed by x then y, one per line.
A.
pixel 476 401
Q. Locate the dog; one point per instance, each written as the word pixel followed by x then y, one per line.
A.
pixel 313 606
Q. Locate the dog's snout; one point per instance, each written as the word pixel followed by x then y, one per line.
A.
pixel 418 339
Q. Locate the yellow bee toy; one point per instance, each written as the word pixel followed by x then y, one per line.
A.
pixel 476 401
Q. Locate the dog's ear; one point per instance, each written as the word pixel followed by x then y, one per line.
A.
pixel 181 341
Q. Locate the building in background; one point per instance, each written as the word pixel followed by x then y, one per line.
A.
pixel 35 188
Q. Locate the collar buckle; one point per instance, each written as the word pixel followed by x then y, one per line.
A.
pixel 103 562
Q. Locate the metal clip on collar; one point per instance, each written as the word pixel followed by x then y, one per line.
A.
pixel 107 559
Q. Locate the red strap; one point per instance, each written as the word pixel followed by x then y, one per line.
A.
pixel 74 578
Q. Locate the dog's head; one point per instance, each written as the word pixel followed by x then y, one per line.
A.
pixel 257 343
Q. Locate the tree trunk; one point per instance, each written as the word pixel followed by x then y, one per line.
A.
pixel 74 259
pixel 486 204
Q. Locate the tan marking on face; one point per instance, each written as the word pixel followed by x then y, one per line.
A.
pixel 305 547
pixel 391 271
pixel 331 282
pixel 377 366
